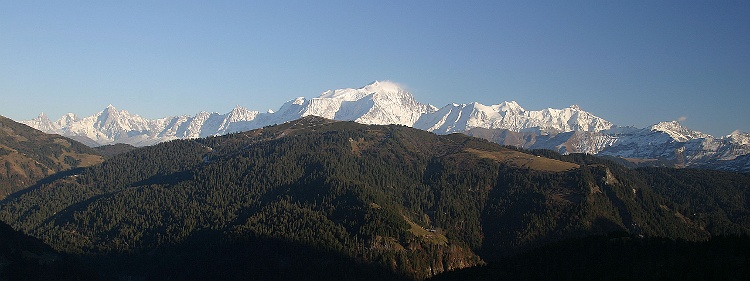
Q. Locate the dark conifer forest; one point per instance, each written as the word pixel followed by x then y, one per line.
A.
pixel 316 199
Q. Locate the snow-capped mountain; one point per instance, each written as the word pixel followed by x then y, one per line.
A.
pixel 567 130
pixel 43 124
pixel 674 142
pixel 456 118
pixel 663 144
pixel 658 141
pixel 377 103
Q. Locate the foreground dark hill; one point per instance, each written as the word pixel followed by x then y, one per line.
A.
pixel 28 155
pixel 615 257
pixel 320 199
pixel 26 258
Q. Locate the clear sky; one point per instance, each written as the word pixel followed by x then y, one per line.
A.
pixel 630 62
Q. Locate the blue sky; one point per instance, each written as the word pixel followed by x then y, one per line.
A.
pixel 630 62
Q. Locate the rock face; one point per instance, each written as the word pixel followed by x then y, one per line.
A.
pixel 567 130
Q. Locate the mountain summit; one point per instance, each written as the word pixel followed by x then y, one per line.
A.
pixel 377 103
pixel 677 132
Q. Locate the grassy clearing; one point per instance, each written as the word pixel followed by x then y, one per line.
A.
pixel 431 236
pixel 524 160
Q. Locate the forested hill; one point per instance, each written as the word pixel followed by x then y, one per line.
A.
pixel 27 155
pixel 322 199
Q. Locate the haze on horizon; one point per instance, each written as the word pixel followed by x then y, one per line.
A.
pixel 632 63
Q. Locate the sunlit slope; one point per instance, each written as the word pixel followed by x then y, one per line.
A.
pixel 27 155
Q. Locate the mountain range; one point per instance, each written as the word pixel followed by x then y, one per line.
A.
pixel 567 130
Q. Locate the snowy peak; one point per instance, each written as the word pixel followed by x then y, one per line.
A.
pixel 355 94
pixel 110 114
pixel 42 117
pixel 120 120
pixel 386 88
pixel 739 138
pixel 42 123
pixel 667 126
pixel 678 132
pixel 671 143
pixel 67 119
pixel 509 106
pixel 107 125
pixel 240 113
pixel 381 102
pixel 511 116
pixel 376 90
pixel 574 118
pixel 298 101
